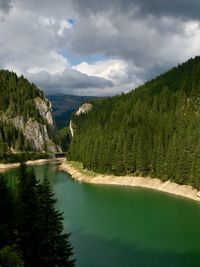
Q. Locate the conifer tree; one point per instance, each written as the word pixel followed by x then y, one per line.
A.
pixel 54 249
pixel 40 230
pixel 28 216
pixel 7 218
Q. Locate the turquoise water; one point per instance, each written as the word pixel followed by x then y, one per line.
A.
pixel 124 227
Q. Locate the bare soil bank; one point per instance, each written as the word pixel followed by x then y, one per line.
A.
pixel 147 182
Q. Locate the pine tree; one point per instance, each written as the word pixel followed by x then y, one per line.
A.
pixel 7 218
pixel 55 249
pixel 9 257
pixel 40 228
pixel 28 216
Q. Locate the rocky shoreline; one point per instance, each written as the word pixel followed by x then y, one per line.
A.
pixel 186 191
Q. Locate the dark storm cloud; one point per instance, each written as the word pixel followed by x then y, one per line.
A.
pixel 70 81
pixel 177 8
pixel 188 9
pixel 5 5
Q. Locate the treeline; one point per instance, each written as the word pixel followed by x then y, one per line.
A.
pixel 12 138
pixel 17 96
pixel 22 157
pixel 31 229
pixel 65 137
pixel 153 130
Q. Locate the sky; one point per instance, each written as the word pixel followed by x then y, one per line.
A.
pixel 93 47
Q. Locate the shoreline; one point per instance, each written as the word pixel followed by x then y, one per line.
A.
pixel 7 166
pixel 185 191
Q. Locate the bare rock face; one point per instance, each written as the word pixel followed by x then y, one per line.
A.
pixel 44 107
pixel 37 134
pixel 83 109
pixel 38 137
pixel 71 128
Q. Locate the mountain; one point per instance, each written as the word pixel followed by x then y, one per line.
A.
pixel 26 121
pixel 153 130
pixel 64 105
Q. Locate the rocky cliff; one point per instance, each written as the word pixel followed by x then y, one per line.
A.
pixel 83 109
pixel 26 120
pixel 38 135
pixel 44 108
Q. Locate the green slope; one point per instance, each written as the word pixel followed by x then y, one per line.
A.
pixel 153 130
pixel 17 96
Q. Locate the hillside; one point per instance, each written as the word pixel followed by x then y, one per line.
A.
pixel 153 130
pixel 64 105
pixel 26 122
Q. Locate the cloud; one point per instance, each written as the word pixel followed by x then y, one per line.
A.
pixel 107 69
pixel 115 70
pixel 145 42
pixel 64 24
pixel 52 42
pixel 30 42
pixel 152 43
pixel 5 5
pixel 171 8
pixel 70 81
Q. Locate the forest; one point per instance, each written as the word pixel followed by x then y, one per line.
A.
pixel 31 229
pixel 11 137
pixel 17 96
pixel 153 130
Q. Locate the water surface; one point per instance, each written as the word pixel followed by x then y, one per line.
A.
pixel 115 226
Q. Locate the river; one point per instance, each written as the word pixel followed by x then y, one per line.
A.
pixel 114 226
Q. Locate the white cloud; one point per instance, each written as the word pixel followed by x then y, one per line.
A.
pixel 64 24
pixel 106 69
pixel 47 21
pixel 29 43
pixel 136 43
pixel 115 70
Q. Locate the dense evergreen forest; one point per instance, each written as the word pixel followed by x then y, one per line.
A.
pixel 22 157
pixel 153 130
pixel 31 229
pixel 17 96
pixel 10 136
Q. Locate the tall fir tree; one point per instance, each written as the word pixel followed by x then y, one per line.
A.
pixel 55 248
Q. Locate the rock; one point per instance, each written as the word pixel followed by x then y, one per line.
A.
pixel 71 127
pixel 83 109
pixel 38 137
pixel 36 133
pixel 44 107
